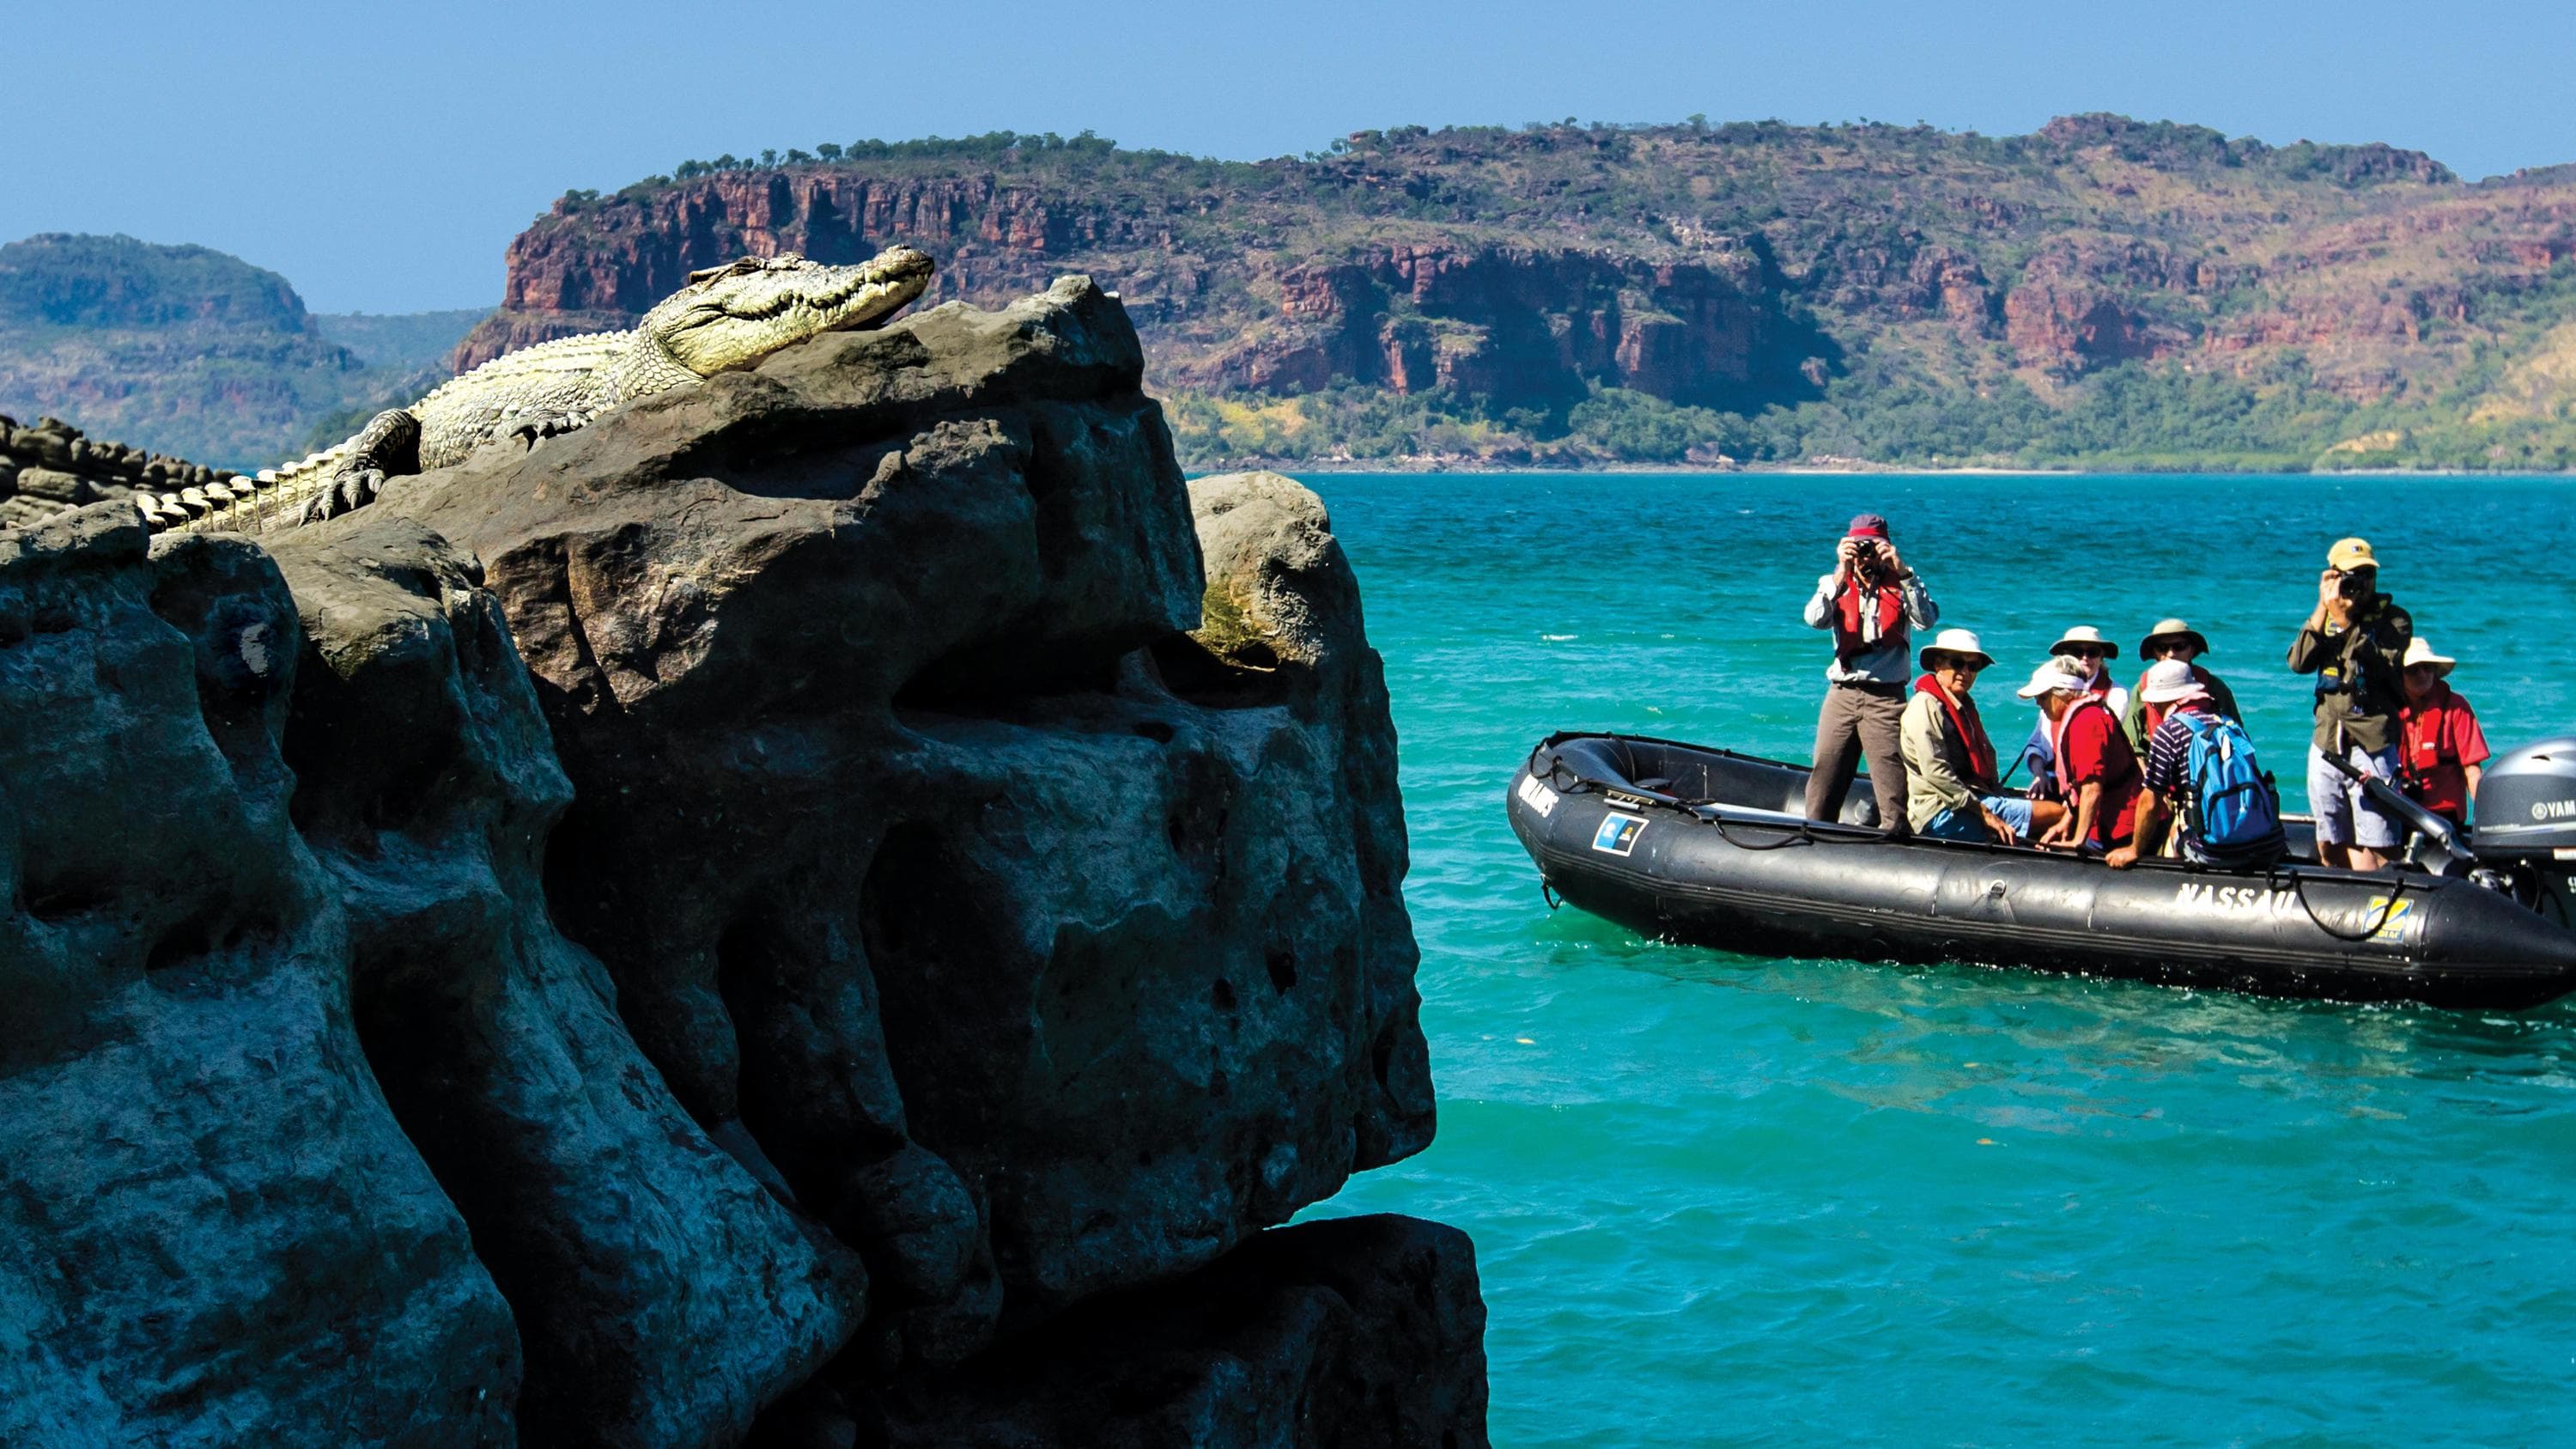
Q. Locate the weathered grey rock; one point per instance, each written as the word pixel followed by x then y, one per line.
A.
pixel 1360 1333
pixel 975 945
pixel 211 1230
pixel 890 834
pixel 54 484
pixel 662 1296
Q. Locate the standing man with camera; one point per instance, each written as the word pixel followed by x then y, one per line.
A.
pixel 1872 602
pixel 2354 642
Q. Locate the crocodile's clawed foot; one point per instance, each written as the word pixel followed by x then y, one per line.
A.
pixel 536 428
pixel 348 491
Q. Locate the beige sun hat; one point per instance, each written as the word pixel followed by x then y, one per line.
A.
pixel 2085 634
pixel 2419 652
pixel 2171 629
pixel 2170 680
pixel 1954 641
pixel 2051 678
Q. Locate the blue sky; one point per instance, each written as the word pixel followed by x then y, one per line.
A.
pixel 382 157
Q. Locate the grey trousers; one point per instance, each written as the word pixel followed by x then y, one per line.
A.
pixel 1857 720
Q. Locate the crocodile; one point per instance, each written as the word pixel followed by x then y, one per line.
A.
pixel 724 319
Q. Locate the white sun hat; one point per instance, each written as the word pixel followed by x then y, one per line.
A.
pixel 2169 680
pixel 2086 634
pixel 1954 641
pixel 2052 678
pixel 2419 652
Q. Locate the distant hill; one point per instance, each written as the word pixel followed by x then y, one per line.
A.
pixel 2104 292
pixel 405 341
pixel 188 351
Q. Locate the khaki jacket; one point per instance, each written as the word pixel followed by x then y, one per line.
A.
pixel 1936 760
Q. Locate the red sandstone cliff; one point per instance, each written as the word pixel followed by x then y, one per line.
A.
pixel 1729 266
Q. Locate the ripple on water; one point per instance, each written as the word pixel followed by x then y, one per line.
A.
pixel 1724 1199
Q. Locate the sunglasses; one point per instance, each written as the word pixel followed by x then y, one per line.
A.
pixel 2082 651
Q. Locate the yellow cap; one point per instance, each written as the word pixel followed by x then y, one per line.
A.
pixel 2351 553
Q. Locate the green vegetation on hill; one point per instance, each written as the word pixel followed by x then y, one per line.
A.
pixel 2103 292
pixel 188 351
pixel 405 340
pixel 2136 416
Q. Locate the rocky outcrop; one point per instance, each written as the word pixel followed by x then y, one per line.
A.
pixel 1529 328
pixel 994 496
pixel 216 1231
pixel 2078 304
pixel 49 468
pixel 764 918
pixel 1362 1333
pixel 661 1295
pixel 592 267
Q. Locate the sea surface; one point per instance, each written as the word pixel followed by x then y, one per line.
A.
pixel 1720 1199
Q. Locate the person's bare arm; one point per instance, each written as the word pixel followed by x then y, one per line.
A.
pixel 2145 836
pixel 2088 799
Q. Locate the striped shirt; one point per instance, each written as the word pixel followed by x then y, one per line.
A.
pixel 2169 750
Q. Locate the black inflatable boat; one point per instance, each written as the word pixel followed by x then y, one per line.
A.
pixel 1708 847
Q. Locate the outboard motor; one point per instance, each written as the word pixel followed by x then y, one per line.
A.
pixel 2526 825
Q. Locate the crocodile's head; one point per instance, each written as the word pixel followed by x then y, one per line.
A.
pixel 732 316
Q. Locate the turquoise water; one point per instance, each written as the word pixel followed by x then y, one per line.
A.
pixel 1724 1199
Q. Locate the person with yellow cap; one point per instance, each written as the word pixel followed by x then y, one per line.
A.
pixel 2354 642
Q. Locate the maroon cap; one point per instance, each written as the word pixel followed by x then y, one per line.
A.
pixel 1867 525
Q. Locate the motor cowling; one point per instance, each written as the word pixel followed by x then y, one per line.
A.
pixel 2526 826
pixel 2527 802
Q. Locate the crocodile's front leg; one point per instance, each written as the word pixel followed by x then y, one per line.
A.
pixel 535 426
pixel 388 447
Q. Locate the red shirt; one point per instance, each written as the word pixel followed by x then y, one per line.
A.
pixel 2093 750
pixel 2441 740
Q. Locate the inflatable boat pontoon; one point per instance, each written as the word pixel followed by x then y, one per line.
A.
pixel 1708 847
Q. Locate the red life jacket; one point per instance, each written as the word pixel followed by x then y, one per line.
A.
pixel 1971 730
pixel 1887 603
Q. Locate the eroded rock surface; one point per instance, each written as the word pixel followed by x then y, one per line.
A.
pixel 848 910
pixel 212 1231
pixel 662 1296
pixel 1362 1333
pixel 905 854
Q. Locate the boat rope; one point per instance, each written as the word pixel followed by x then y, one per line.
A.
pixel 1790 835
pixel 1547 890
pixel 2387 909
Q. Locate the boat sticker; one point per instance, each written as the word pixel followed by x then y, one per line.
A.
pixel 1536 795
pixel 1618 833
pixel 2392 918
pixel 2235 900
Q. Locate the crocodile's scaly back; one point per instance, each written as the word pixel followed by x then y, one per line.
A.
pixel 561 376
pixel 726 318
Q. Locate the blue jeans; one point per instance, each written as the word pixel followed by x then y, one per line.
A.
pixel 1969 825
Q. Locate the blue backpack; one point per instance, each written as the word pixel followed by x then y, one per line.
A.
pixel 2234 813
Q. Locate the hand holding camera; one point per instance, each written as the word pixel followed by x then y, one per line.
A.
pixel 2341 591
pixel 1867 558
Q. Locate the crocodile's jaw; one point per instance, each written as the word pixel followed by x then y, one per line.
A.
pixel 732 317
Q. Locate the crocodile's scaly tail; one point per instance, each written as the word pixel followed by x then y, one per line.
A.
pixel 246 504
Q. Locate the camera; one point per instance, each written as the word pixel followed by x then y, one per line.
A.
pixel 1865 555
pixel 2355 585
